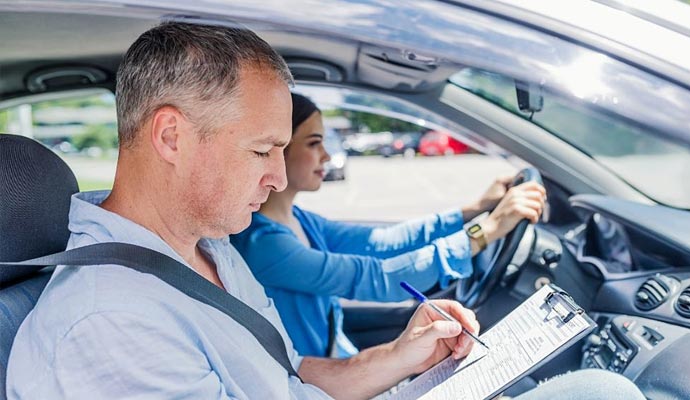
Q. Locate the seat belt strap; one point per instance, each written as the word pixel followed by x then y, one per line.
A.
pixel 178 276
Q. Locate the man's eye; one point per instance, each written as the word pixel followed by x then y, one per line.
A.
pixel 261 154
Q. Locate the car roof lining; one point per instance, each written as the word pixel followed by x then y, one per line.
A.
pixel 43 40
pixel 106 37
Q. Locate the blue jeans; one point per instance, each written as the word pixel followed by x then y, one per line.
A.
pixel 586 384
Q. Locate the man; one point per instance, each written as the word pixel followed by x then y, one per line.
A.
pixel 204 115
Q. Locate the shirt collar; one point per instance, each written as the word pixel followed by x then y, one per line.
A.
pixel 87 218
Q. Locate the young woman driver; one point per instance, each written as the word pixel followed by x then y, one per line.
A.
pixel 306 262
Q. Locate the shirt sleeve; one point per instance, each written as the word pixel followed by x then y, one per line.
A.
pixel 390 241
pixel 293 266
pixel 116 354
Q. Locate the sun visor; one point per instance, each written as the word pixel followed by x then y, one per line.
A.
pixel 402 70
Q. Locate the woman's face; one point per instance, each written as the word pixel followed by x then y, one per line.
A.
pixel 305 156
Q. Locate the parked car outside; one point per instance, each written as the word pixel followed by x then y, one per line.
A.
pixel 360 144
pixel 405 143
pixel 335 167
pixel 439 143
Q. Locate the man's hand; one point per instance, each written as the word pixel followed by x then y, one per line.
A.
pixel 429 338
pixel 525 201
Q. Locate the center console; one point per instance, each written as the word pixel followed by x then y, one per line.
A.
pixel 610 348
pixel 627 344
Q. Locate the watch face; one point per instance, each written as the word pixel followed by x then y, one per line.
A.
pixel 474 229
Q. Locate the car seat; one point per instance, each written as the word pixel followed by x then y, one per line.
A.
pixel 35 190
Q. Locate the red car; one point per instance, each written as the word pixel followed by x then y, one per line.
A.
pixel 435 143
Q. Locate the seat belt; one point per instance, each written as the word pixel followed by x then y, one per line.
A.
pixel 178 276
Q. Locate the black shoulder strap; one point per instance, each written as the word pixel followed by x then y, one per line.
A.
pixel 180 277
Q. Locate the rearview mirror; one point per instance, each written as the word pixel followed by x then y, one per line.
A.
pixel 529 96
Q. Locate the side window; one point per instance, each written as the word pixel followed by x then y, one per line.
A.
pixel 391 161
pixel 80 127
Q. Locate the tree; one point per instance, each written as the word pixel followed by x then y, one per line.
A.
pixel 102 136
pixel 4 119
pixel 362 121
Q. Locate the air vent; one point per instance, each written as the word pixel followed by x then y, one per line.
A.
pixel 654 291
pixel 683 303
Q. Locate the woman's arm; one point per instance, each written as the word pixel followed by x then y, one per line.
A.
pixel 388 241
pixel 278 259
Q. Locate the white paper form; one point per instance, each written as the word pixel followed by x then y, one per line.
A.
pixel 528 335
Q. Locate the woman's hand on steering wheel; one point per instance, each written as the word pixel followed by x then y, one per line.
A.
pixel 495 193
pixel 522 204
pixel 524 201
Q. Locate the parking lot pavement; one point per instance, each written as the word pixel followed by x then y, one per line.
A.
pixel 396 188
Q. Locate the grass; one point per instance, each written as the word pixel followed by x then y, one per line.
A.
pixel 86 185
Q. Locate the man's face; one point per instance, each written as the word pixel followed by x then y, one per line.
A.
pixel 228 176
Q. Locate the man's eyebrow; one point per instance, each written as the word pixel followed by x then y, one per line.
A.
pixel 272 141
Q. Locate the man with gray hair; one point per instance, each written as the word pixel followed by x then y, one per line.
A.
pixel 204 116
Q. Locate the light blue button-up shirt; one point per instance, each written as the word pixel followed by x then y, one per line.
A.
pixel 351 261
pixel 109 332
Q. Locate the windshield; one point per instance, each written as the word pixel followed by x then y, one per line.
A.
pixel 639 154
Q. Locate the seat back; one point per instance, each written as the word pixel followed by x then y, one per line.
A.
pixel 35 191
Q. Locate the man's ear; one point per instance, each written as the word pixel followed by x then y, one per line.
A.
pixel 167 126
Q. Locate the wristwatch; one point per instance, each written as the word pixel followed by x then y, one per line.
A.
pixel 477 233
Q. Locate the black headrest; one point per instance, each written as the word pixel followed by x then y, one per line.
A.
pixel 35 191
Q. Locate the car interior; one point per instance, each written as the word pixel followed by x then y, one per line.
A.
pixel 621 255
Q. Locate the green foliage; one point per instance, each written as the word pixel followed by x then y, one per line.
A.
pixel 4 121
pixel 332 112
pixel 102 136
pixel 367 122
pixel 76 102
pixel 378 123
pixel 86 185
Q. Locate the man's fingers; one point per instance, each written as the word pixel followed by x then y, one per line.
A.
pixel 462 347
pixel 443 330
pixel 463 315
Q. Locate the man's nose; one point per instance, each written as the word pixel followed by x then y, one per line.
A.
pixel 275 177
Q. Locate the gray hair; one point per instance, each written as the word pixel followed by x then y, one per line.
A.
pixel 194 68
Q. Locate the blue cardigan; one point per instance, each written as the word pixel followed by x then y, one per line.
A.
pixel 351 261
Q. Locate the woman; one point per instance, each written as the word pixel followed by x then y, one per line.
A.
pixel 307 262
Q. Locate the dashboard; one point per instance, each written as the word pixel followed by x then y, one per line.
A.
pixel 630 265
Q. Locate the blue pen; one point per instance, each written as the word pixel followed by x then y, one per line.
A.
pixel 423 299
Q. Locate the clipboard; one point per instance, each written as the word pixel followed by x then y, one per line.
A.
pixel 535 332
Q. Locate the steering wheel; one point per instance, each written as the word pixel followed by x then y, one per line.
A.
pixel 481 286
